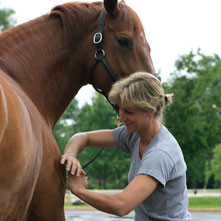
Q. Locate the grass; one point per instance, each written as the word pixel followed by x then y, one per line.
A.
pixel 204 202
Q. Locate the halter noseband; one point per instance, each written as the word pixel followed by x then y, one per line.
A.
pixel 100 57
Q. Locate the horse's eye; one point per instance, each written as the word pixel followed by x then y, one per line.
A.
pixel 124 42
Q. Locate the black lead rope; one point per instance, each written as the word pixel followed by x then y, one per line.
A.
pixel 92 160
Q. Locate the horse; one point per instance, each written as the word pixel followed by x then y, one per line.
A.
pixel 43 64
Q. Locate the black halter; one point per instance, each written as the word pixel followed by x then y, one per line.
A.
pixel 100 57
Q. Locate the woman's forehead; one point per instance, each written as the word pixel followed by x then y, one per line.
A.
pixel 127 107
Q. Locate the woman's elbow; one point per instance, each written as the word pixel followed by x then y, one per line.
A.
pixel 122 211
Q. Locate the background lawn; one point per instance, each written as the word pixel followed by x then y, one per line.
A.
pixel 204 202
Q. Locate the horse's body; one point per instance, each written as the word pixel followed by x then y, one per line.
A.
pixel 43 64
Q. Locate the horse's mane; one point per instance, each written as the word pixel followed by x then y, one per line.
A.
pixel 74 16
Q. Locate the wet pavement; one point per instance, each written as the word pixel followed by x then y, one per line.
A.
pixel 100 216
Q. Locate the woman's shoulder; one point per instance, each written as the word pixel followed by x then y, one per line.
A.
pixel 124 133
pixel 123 137
pixel 167 138
pixel 168 144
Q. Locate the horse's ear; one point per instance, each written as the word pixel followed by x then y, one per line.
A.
pixel 111 6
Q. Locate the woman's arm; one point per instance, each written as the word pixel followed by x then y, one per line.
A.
pixel 119 204
pixel 100 138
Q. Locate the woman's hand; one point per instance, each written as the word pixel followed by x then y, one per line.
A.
pixel 77 182
pixel 73 165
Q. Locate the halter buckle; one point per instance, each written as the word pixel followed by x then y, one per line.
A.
pixel 97 38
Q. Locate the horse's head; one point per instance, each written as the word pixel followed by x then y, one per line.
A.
pixel 107 41
pixel 120 46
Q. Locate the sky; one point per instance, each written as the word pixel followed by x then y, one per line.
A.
pixel 172 28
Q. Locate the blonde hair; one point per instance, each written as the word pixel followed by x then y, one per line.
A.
pixel 143 91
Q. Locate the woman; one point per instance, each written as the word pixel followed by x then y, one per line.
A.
pixel 157 177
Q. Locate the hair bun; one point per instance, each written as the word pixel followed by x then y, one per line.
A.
pixel 168 98
pixel 165 99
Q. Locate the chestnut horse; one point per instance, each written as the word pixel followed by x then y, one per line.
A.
pixel 43 64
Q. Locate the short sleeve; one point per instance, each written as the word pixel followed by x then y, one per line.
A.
pixel 124 139
pixel 158 164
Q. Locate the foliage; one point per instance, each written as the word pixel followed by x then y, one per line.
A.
pixel 66 126
pixel 208 174
pixel 7 19
pixel 216 165
pixel 195 116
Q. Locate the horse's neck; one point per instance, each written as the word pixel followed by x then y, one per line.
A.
pixel 39 61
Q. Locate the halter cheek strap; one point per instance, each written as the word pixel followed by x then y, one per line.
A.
pixel 100 53
pixel 100 57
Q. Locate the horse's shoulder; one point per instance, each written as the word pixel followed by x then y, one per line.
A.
pixel 16 107
pixel 18 127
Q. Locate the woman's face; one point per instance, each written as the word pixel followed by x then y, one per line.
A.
pixel 135 120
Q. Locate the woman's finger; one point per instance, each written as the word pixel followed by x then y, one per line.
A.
pixel 83 173
pixel 63 159
pixel 70 165
pixel 79 169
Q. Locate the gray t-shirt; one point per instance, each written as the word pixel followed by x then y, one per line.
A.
pixel 164 161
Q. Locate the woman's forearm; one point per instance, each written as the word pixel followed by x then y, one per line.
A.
pixel 102 138
pixel 109 203
pixel 76 144
pixel 119 204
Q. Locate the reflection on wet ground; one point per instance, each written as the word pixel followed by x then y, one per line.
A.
pixel 100 216
pixel 206 216
pixel 95 216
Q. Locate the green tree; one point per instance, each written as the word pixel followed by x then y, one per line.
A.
pixel 66 126
pixel 216 165
pixel 195 116
pixel 7 18
pixel 207 174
